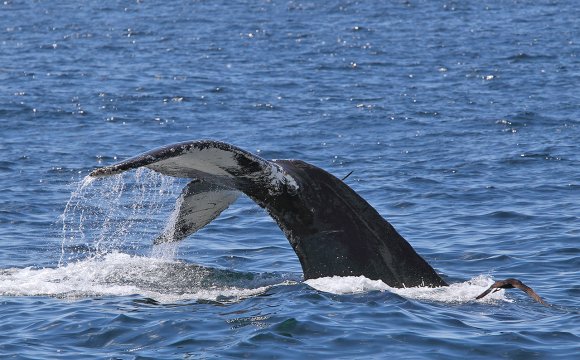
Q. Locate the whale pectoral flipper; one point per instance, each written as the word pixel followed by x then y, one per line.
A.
pixel 198 205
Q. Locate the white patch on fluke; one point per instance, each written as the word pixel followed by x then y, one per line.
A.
pixel 210 160
pixel 279 176
pixel 455 293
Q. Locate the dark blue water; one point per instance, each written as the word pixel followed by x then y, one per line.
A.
pixel 459 120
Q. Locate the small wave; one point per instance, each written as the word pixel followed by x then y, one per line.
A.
pixel 507 214
pixel 6 165
pixel 525 57
pixel 464 292
pixel 422 180
pixel 541 155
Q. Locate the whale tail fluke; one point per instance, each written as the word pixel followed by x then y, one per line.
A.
pixel 333 231
pixel 198 204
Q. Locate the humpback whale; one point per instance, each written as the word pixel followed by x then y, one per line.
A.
pixel 333 230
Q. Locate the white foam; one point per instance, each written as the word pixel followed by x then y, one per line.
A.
pixel 347 284
pixel 116 274
pixel 455 293
pixel 169 281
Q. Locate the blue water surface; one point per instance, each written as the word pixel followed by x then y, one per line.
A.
pixel 459 120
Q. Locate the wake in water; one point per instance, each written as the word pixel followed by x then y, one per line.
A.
pixel 170 281
pixel 108 225
pixel 463 292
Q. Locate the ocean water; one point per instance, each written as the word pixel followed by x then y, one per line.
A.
pixel 460 121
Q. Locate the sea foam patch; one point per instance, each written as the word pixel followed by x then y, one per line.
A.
pixel 118 274
pixel 455 293
pixel 169 281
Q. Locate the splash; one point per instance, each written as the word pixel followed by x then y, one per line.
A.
pixel 168 250
pixel 464 292
pixel 165 251
pixel 104 222
pixel 103 219
pixel 124 211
